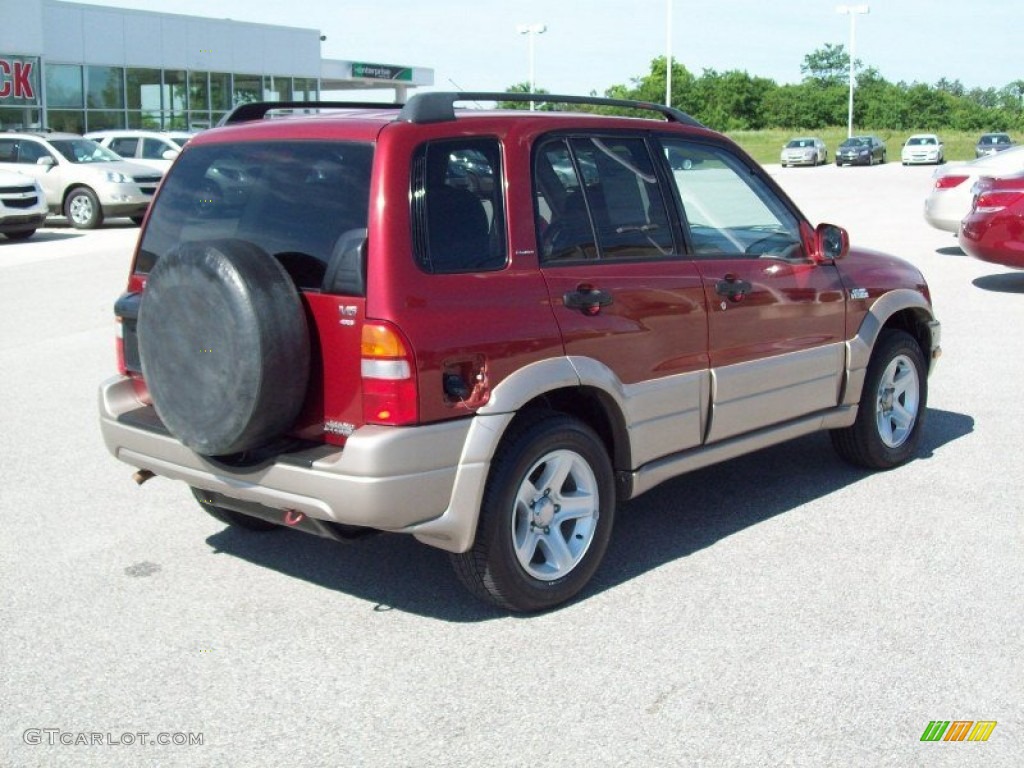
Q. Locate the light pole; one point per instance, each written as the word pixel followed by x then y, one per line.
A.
pixel 531 31
pixel 668 54
pixel 852 11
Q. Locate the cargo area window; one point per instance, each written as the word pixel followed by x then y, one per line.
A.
pixel 300 202
pixel 458 214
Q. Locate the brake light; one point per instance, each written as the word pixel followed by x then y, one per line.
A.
pixel 990 202
pixel 119 348
pixel 389 384
pixel 948 182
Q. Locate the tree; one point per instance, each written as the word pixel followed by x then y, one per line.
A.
pixel 524 88
pixel 828 66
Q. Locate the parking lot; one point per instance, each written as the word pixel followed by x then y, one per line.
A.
pixel 779 609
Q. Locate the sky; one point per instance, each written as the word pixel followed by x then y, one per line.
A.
pixel 589 46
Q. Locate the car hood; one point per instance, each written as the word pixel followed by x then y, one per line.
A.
pixel 12 179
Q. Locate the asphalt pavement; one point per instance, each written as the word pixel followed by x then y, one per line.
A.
pixel 779 609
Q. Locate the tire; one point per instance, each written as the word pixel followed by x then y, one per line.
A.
pixel 224 346
pixel 137 220
pixel 530 554
pixel 889 423
pixel 83 209
pixel 232 518
pixel 24 234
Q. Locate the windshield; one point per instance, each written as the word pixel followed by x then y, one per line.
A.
pixel 800 143
pixel 920 141
pixel 995 138
pixel 854 143
pixel 295 200
pixel 83 151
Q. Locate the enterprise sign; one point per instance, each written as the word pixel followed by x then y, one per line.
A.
pixel 381 72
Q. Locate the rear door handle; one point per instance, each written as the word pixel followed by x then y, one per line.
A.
pixel 733 288
pixel 587 299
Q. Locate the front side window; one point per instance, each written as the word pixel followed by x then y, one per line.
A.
pixel 295 200
pixel 457 206
pixel 124 146
pixel 729 211
pixel 599 197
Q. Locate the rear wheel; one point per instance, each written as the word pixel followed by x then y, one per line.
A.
pixel 546 516
pixel 230 517
pixel 892 406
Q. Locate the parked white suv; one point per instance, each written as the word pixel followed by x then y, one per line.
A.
pixel 22 205
pixel 80 179
pixel 156 149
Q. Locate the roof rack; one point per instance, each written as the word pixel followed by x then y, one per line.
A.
pixel 257 110
pixel 439 107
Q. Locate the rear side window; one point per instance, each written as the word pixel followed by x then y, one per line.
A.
pixel 298 201
pixel 599 197
pixel 457 209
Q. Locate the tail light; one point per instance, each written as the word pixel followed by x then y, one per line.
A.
pixel 996 200
pixel 948 182
pixel 389 377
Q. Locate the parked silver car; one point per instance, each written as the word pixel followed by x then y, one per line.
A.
pixel 22 205
pixel 80 179
pixel 156 149
pixel 923 148
pixel 804 151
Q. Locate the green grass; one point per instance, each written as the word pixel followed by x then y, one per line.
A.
pixel 765 146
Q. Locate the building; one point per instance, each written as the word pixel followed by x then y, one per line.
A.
pixel 75 67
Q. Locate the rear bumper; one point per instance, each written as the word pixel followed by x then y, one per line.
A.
pixel 386 478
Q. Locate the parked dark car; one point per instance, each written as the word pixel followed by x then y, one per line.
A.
pixel 990 143
pixel 861 150
pixel 992 231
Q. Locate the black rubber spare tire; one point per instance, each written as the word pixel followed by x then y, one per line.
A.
pixel 224 346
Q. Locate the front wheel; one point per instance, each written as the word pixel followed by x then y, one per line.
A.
pixel 546 516
pixel 892 406
pixel 83 209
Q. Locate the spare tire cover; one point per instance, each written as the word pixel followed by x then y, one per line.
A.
pixel 224 346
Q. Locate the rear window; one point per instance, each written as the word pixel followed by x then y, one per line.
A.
pixel 295 200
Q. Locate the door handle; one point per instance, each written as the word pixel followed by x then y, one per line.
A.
pixel 587 299
pixel 733 288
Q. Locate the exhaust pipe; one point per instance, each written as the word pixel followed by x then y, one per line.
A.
pixel 142 476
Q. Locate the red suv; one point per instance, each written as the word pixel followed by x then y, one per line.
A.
pixel 487 328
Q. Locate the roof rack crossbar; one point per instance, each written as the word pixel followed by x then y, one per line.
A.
pixel 257 110
pixel 439 106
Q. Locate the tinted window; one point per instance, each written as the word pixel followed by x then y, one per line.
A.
pixel 153 149
pixel 295 200
pixel 457 209
pixel 599 197
pixel 125 147
pixel 729 211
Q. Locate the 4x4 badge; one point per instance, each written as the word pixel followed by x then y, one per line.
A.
pixel 347 312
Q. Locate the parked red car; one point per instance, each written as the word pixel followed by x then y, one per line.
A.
pixel 994 228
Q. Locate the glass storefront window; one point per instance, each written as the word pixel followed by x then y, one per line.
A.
pixel 220 91
pixel 105 87
pixel 277 89
pixel 98 120
pixel 144 86
pixel 199 90
pixel 149 121
pixel 64 85
pixel 19 119
pixel 66 120
pixel 305 89
pixel 248 88
pixel 175 90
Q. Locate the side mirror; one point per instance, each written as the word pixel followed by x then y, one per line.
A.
pixel 169 154
pixel 47 161
pixel 831 242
